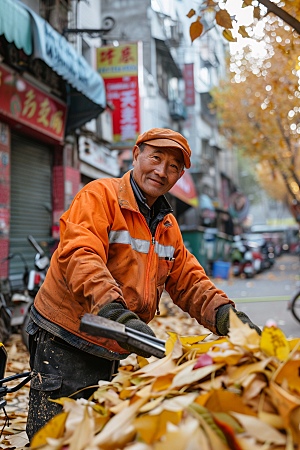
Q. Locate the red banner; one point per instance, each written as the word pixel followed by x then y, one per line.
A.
pixel 27 104
pixel 123 93
pixel 189 84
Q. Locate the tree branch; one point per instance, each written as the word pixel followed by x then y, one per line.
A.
pixel 285 16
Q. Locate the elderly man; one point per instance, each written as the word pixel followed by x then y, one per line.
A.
pixel 120 246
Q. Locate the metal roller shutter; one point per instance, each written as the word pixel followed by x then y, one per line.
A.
pixel 31 198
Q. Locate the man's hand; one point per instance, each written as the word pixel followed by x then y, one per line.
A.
pixel 222 320
pixel 116 311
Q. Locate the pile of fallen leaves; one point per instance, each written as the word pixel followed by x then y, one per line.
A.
pixel 240 392
pixel 13 424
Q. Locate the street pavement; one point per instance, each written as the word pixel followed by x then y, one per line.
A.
pixel 266 295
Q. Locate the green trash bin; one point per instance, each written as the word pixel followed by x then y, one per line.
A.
pixel 223 244
pixel 193 239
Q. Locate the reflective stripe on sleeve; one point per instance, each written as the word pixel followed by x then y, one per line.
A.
pixel 123 237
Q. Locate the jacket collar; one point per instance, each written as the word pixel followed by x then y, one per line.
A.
pixel 128 200
pixel 126 196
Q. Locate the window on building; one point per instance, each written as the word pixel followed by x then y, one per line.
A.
pixel 56 13
pixel 162 76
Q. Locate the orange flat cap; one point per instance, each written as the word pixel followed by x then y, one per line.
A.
pixel 162 137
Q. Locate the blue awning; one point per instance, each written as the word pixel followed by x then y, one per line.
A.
pixel 15 24
pixel 53 48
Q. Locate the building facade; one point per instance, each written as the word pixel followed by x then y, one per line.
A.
pixel 48 92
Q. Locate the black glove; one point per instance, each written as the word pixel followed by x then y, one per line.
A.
pixel 222 320
pixel 116 311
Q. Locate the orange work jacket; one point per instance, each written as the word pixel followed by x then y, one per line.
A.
pixel 106 253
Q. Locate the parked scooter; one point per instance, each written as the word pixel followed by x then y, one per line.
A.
pixel 243 260
pixel 35 280
pixel 18 291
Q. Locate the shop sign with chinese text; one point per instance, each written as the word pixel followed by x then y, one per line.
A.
pixel 29 105
pixel 119 68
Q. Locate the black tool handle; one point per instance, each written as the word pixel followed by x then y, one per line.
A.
pixel 99 326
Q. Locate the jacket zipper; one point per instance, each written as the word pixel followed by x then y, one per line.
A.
pixel 152 246
pixel 150 254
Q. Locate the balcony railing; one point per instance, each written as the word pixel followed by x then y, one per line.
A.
pixel 177 110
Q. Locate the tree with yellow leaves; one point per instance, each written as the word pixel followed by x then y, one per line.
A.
pixel 288 11
pixel 258 109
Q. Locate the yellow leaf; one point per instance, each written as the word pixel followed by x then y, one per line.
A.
pixel 162 383
pixel 202 399
pixel 243 371
pixel 223 19
pixel 170 342
pixel 153 427
pixel 203 348
pixel 290 372
pixel 228 35
pixel 246 3
pixel 225 401
pixel 273 343
pixel 188 340
pixel 243 32
pixel 191 13
pixel 241 334
pixel 293 342
pixel 62 400
pixel 54 429
pixel 271 419
pixel 196 29
pixel 142 362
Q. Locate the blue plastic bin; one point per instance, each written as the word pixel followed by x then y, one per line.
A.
pixel 221 269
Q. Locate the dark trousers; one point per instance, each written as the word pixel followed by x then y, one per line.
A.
pixel 60 371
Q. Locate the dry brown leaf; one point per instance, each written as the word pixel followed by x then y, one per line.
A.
pixel 260 430
pixel 189 376
pixel 223 19
pixel 196 29
pixel 191 13
pixel 255 388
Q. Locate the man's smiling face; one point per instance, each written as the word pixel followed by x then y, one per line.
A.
pixel 156 170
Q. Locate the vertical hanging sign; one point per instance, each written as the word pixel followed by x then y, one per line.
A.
pixel 118 66
pixel 189 84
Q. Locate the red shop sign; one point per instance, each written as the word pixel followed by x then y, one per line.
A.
pixel 29 105
pixel 124 94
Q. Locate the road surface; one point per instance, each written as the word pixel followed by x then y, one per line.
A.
pixel 266 295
